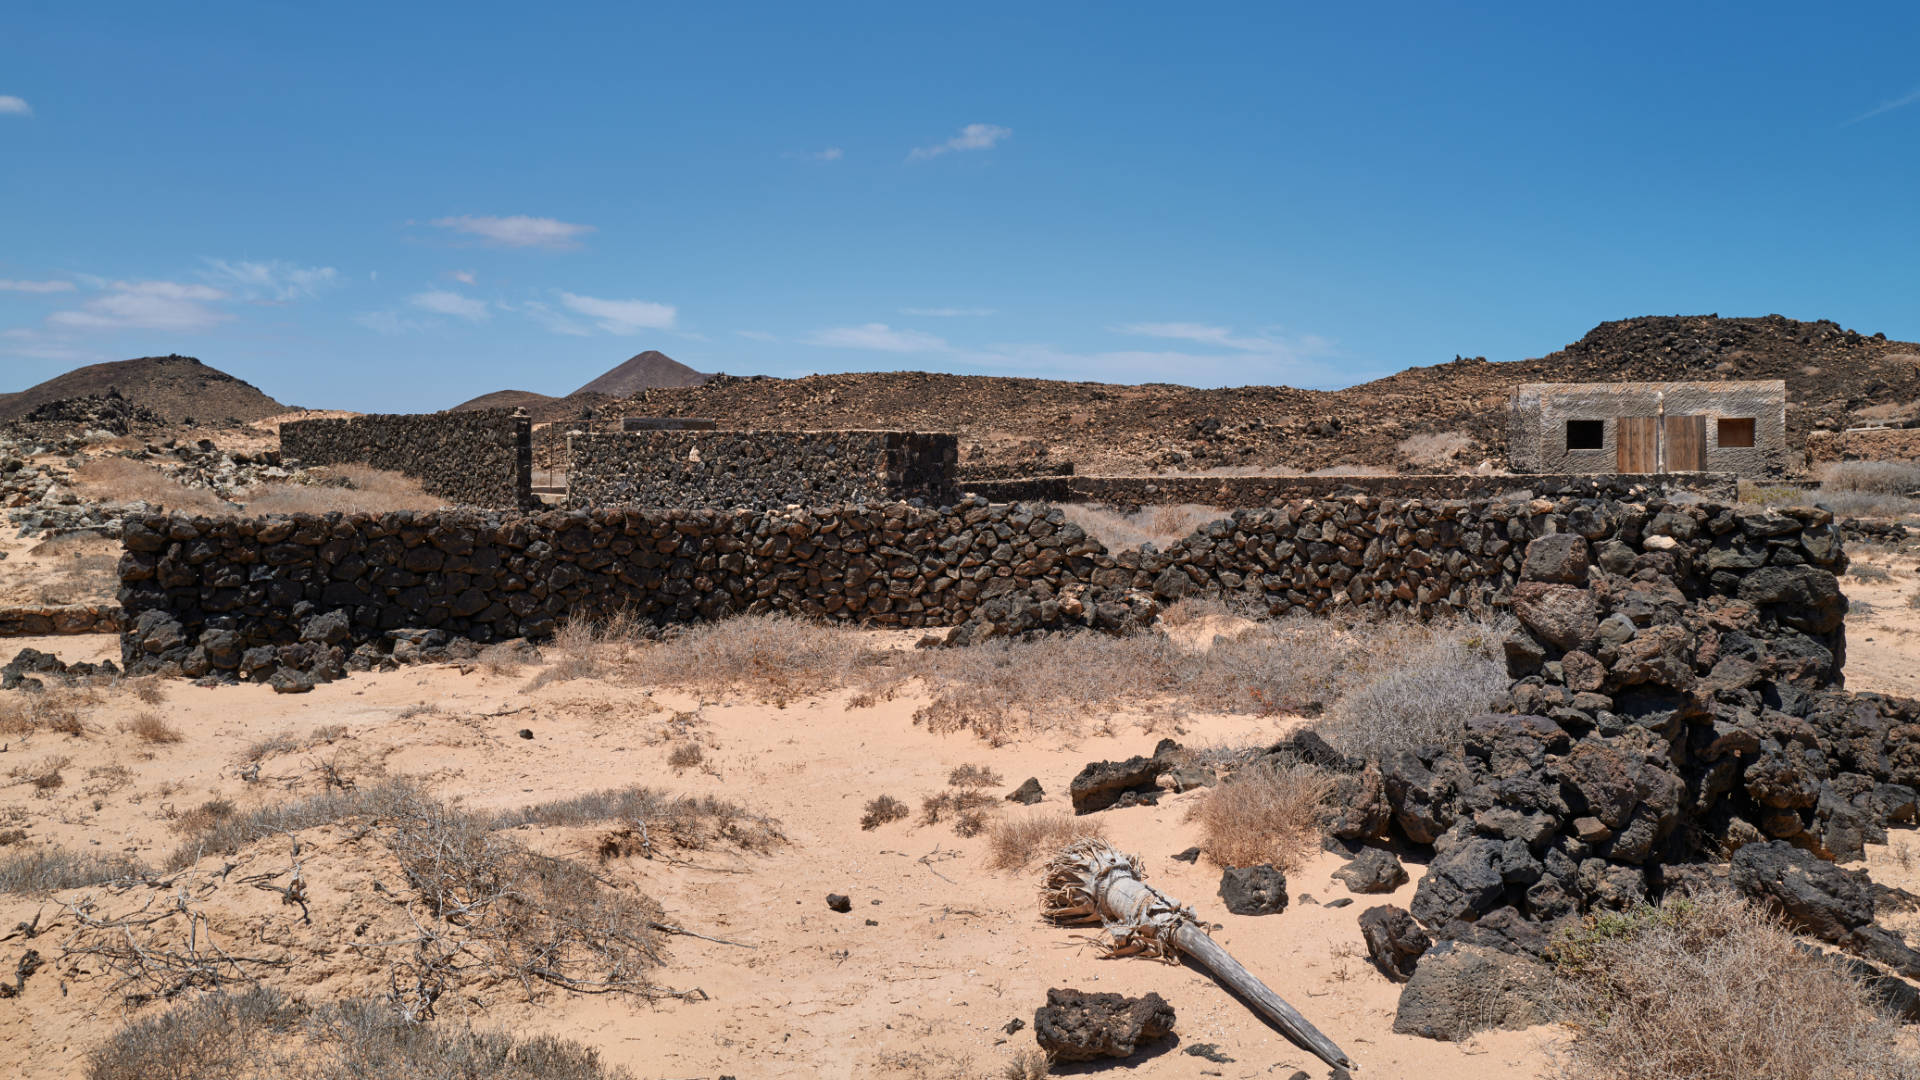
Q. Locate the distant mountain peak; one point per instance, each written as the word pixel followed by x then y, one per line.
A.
pixel 645 371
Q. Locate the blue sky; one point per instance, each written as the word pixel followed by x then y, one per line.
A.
pixel 399 206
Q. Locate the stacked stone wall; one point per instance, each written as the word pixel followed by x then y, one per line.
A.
pixel 482 458
pixel 759 469
pixel 238 595
pixel 1235 491
pixel 1870 444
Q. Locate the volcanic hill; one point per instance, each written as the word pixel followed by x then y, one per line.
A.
pixel 177 388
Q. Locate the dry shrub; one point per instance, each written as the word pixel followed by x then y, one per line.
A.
pixel 1422 695
pixel 419 708
pixel 693 823
pixel 881 810
pixel 44 776
pixel 204 818
pixel 152 728
pixel 774 658
pixel 1156 525
pixel 973 776
pixel 1032 1063
pixel 592 647
pixel 1869 572
pixel 686 756
pixel 1872 477
pixel 261 1033
pixel 1715 988
pixel 85 568
pixel 367 490
pixel 118 479
pixel 1436 449
pixel 1016 843
pixel 1263 815
pixel 56 709
pixel 47 870
pixel 967 808
pixel 147 690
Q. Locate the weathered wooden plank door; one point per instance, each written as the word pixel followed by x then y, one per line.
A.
pixel 1638 440
pixel 1686 443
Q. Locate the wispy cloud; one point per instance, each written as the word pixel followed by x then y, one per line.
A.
pixel 272 280
pixel 518 231
pixel 621 316
pixel 756 335
pixel 36 286
pixel 1901 102
pixel 13 106
pixel 553 320
pixel 1223 337
pixel 947 312
pixel 447 302
pixel 464 277
pixel 878 337
pixel 831 153
pixel 146 305
pixel 391 322
pixel 971 137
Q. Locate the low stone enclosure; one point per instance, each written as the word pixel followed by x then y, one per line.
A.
pixel 1230 492
pixel 1674 721
pixel 1734 427
pixel 759 469
pixel 482 458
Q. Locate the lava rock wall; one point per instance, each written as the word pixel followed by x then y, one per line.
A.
pixel 482 458
pixel 760 469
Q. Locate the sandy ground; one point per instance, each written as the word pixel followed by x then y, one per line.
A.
pixel 921 979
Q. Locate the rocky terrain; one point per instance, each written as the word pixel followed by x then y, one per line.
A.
pixel 1831 373
pixel 644 371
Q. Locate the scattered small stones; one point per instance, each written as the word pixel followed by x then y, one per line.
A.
pixel 1077 1026
pixel 525 733
pixel 1254 890
pixel 1210 1052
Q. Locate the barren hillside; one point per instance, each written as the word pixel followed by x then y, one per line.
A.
pixel 179 388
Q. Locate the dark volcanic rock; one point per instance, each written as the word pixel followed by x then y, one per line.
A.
pixel 1028 793
pixel 1815 895
pixel 1374 870
pixel 1253 890
pixel 839 902
pixel 1459 989
pixel 1076 1026
pixel 1394 941
pixel 1101 784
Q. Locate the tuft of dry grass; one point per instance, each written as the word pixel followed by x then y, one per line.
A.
pixel 204 818
pixel 771 658
pixel 692 823
pixel 57 709
pixel 1871 477
pixel 880 810
pixel 152 728
pixel 118 479
pixel 1423 695
pixel 259 1032
pixel 1032 1063
pixel 1016 843
pixel 1263 815
pixel 1714 988
pixel 44 776
pixel 686 756
pixel 1435 450
pixel 973 776
pixel 367 490
pixel 48 870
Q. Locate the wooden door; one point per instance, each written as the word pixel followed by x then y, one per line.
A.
pixel 1638 440
pixel 1686 444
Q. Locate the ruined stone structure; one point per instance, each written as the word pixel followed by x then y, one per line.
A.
pixel 1733 427
pixel 482 458
pixel 1864 444
pixel 237 595
pixel 759 469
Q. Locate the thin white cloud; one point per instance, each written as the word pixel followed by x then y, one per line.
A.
pixel 831 153
pixel 756 335
pixel 464 277
pixel 518 231
pixel 1201 333
pixel 390 322
pixel 146 305
pixel 13 106
pixel 1888 106
pixel 947 312
pixel 446 302
pixel 36 286
pixel 878 337
pixel 554 320
pixel 271 280
pixel 621 316
pixel 971 137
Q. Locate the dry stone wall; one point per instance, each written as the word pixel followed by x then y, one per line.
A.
pixel 760 469
pixel 244 597
pixel 482 458
pixel 1227 492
